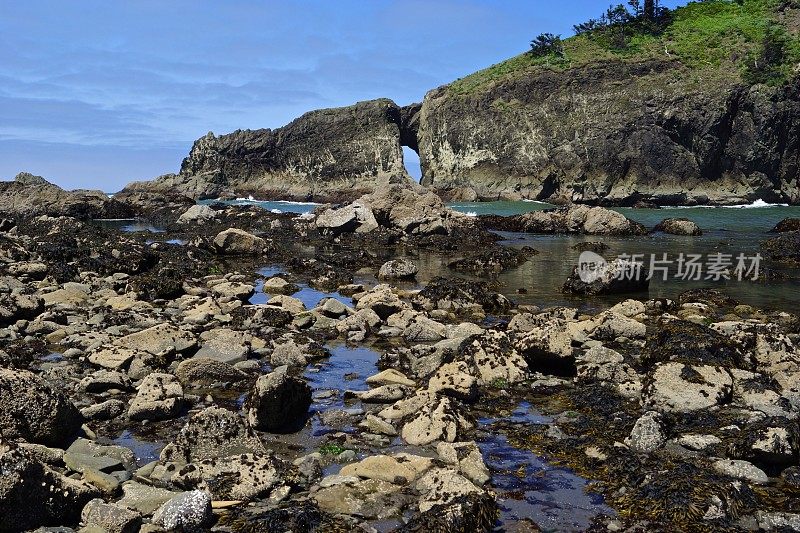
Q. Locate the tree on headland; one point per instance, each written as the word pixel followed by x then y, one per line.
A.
pixel 546 44
pixel 620 22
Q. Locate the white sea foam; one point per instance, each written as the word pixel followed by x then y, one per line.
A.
pixel 758 204
pixel 471 214
pixel 755 205
pixel 276 211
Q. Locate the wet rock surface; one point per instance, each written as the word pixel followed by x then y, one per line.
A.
pixel 269 380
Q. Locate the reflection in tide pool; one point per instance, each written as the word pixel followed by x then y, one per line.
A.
pixel 528 488
pixel 145 451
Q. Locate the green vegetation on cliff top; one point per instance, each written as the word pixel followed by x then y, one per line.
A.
pixel 752 41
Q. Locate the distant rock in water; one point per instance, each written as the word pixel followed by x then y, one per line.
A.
pixel 678 226
pixel 30 195
pixel 324 155
pixel 576 219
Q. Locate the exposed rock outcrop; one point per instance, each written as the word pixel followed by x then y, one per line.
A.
pixel 579 219
pixel 324 155
pixel 30 195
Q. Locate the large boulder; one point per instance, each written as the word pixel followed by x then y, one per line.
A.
pixel 355 217
pixel 397 269
pixel 784 248
pixel 212 433
pixel 403 209
pixel 33 495
pixel 787 224
pixel 34 411
pixel 278 401
pixel 676 387
pixel 235 241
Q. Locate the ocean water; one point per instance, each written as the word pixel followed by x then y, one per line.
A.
pixel 730 231
pixel 273 206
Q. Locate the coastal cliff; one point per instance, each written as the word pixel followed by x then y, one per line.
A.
pixel 613 133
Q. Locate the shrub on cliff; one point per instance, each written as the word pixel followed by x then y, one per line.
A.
pixel 768 63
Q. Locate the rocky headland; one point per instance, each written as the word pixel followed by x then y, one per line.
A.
pixel 684 117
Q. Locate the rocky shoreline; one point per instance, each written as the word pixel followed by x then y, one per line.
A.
pixel 169 381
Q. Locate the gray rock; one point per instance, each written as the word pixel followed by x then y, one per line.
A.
pixel 106 410
pixel 199 371
pixel 112 518
pixel 189 511
pixel 158 340
pixel 247 477
pixel 741 470
pixel 278 400
pixel 682 388
pixel 225 345
pixel 32 410
pixel 238 242
pixel 467 457
pixel 159 397
pixel 197 213
pixel 679 226
pixel 441 420
pixel 289 354
pixel 16 302
pixel 620 276
pixel 105 380
pixel 212 433
pixel 144 499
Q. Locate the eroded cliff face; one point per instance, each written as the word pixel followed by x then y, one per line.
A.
pixel 324 155
pixel 613 133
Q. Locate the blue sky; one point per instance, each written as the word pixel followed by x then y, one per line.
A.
pixel 96 94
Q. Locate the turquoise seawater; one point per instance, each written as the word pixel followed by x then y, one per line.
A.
pixel 726 230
